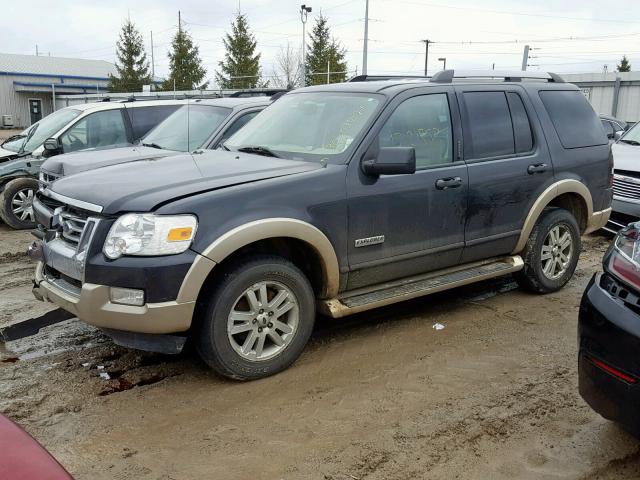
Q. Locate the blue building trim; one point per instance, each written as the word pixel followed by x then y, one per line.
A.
pixel 52 75
pixel 61 85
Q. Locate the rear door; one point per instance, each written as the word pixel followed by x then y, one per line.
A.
pixel 508 165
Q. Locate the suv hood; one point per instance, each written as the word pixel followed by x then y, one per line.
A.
pixel 142 185
pixel 76 162
pixel 626 157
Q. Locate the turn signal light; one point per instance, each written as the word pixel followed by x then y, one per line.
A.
pixel 180 234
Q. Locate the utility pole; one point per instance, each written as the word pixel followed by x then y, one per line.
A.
pixel 366 38
pixel 179 22
pixel 525 58
pixel 328 71
pixel 426 55
pixel 153 64
pixel 444 62
pixel 304 10
pixel 37 50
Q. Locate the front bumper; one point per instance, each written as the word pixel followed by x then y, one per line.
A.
pixel 625 211
pixel 609 335
pixel 91 304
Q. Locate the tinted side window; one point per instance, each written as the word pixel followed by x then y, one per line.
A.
pixel 521 126
pixel 424 123
pixel 573 118
pixel 490 124
pixel 100 129
pixel 143 119
pixel 237 125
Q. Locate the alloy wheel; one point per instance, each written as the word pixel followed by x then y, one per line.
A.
pixel 22 205
pixel 557 251
pixel 263 321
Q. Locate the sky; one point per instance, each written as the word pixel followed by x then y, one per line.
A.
pixel 571 36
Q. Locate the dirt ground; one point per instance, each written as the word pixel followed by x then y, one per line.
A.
pixel 382 395
pixel 8 132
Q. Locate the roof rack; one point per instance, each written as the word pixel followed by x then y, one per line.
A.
pixel 447 76
pixel 257 92
pixel 375 78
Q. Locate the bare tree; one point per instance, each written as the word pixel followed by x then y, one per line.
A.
pixel 286 73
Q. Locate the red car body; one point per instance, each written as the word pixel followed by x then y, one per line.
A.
pixel 22 458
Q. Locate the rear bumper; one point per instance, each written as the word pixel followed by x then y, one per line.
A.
pixel 609 335
pixel 92 304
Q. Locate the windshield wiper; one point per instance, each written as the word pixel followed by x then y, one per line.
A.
pixel 258 150
pixel 224 147
pixel 630 142
pixel 153 145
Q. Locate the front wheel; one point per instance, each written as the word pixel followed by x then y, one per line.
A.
pixel 258 319
pixel 16 203
pixel 552 252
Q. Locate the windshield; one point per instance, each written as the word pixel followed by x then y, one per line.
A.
pixel 14 145
pixel 309 126
pixel 632 136
pixel 188 128
pixel 47 127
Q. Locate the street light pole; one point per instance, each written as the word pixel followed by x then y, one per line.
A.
pixel 366 38
pixel 444 61
pixel 304 10
pixel 426 55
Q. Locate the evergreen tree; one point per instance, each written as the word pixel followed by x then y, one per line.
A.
pixel 241 65
pixel 132 66
pixel 185 64
pixel 624 66
pixel 322 49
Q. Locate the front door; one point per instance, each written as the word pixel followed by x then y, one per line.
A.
pixel 403 225
pixel 35 110
pixel 509 166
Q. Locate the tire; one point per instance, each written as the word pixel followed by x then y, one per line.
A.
pixel 16 203
pixel 239 355
pixel 553 226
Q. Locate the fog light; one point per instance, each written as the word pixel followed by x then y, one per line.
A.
pixel 127 296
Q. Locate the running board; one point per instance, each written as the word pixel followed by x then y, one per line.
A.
pixel 407 288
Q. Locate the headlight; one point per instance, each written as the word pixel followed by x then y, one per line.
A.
pixel 147 235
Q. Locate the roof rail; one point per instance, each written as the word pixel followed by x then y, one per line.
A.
pixel 375 78
pixel 447 76
pixel 257 92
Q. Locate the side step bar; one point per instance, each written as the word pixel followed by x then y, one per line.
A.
pixel 368 298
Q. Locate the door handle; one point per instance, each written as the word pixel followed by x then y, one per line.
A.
pixel 537 168
pixel 450 182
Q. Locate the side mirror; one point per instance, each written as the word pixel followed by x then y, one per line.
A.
pixel 52 146
pixel 618 135
pixel 391 161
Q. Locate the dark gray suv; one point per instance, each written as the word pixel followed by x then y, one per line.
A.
pixel 335 199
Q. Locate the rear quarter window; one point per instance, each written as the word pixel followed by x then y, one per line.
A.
pixel 573 118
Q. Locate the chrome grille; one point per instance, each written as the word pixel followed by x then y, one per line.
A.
pixel 624 186
pixel 73 224
pixel 47 178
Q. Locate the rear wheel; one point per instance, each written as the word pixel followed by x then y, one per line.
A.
pixel 552 252
pixel 16 203
pixel 258 319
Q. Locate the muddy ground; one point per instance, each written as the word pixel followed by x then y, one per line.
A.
pixel 382 395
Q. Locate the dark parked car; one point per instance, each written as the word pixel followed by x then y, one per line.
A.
pixel 609 334
pixel 200 124
pixel 22 458
pixel 337 198
pixel 70 129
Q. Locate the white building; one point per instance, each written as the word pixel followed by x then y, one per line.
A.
pixel 30 83
pixel 614 93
